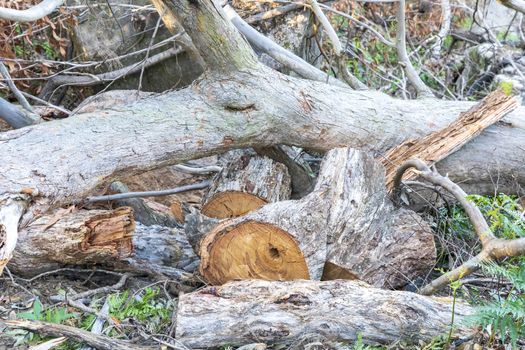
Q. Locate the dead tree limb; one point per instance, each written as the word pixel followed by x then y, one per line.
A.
pixel 421 88
pixel 493 248
pixel 439 144
pixel 97 341
pixel 253 106
pixel 33 13
pixel 280 313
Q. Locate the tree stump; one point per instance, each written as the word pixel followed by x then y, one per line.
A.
pixel 246 183
pixel 347 223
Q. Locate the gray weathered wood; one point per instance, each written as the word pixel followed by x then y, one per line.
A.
pixel 244 312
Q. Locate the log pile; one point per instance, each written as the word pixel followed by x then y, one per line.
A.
pixel 346 228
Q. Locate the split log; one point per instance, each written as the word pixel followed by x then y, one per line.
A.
pixel 246 183
pixel 436 146
pixel 348 221
pixel 101 237
pixel 244 312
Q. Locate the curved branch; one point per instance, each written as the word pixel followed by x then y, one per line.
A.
pixel 33 13
pixel 493 248
pixel 281 55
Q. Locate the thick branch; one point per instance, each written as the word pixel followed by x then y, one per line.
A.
pixel 33 13
pixel 517 5
pixel 254 108
pixel 218 42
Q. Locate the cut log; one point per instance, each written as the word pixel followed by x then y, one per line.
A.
pixel 77 238
pixel 246 183
pixel 101 237
pixel 244 312
pixel 348 220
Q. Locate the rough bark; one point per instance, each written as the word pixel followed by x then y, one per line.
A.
pixel 245 312
pixel 78 238
pixel 163 250
pixel 347 220
pixel 368 238
pixel 101 237
pixel 229 109
pixel 246 183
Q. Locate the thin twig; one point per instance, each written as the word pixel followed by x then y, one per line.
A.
pixel 186 188
pixel 14 89
pixel 412 76
pixel 338 48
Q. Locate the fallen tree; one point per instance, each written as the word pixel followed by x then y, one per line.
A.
pixel 238 103
pixel 244 312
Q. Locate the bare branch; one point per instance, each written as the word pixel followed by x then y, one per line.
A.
pixel 338 48
pixel 421 89
pixel 517 5
pixel 13 116
pixel 126 195
pixel 92 80
pixel 493 248
pixel 31 14
pixel 14 89
pixel 446 15
pixel 281 55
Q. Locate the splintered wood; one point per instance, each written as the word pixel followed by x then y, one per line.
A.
pixel 438 145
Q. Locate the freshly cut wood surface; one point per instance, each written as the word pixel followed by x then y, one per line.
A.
pixel 246 183
pixel 348 221
pixel 254 250
pixel 243 312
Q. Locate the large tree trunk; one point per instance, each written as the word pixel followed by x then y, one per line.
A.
pixel 347 221
pixel 245 312
pixel 238 104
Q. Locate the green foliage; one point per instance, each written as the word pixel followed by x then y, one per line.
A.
pixel 358 345
pixel 505 316
pixel 38 313
pixel 506 87
pixel 146 308
pixel 500 316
